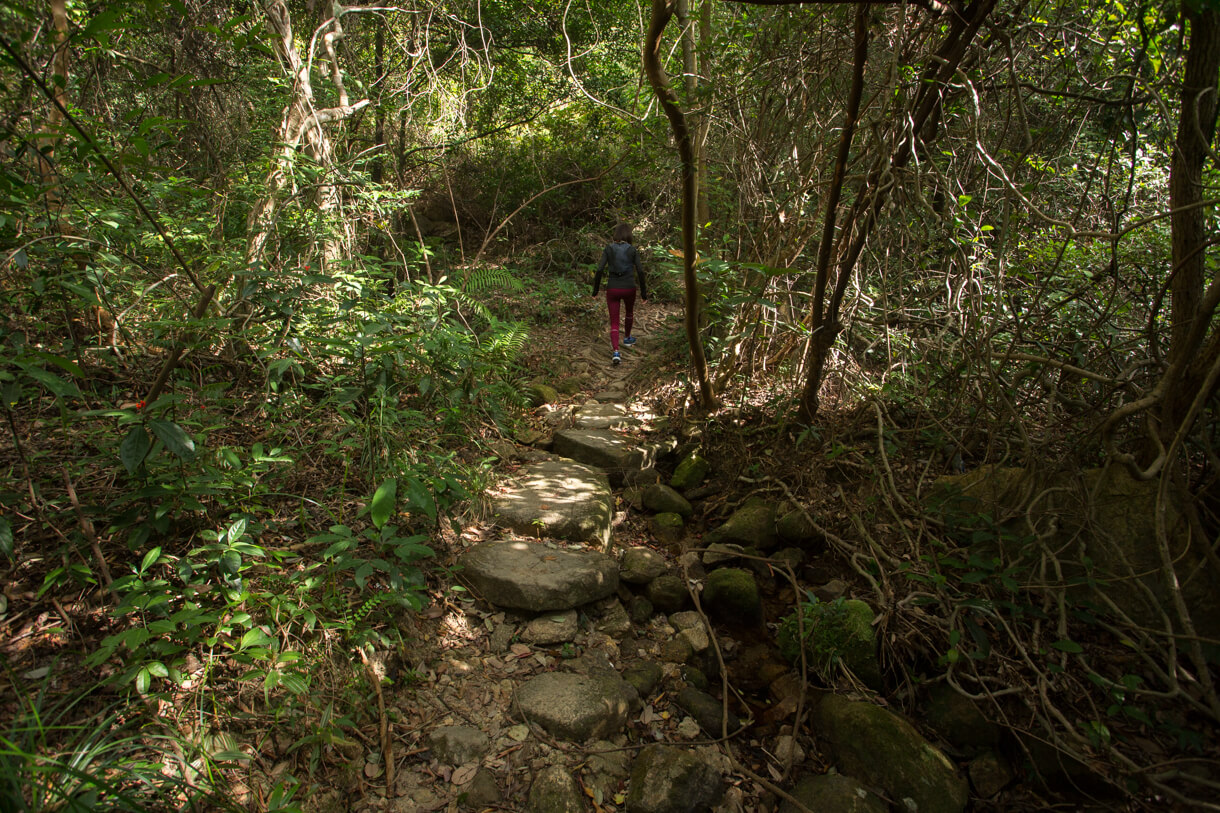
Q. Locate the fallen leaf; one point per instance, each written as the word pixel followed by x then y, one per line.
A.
pixel 520 650
pixel 464 774
pixel 372 770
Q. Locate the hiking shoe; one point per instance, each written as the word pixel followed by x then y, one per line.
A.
pixel 616 358
pixel 630 340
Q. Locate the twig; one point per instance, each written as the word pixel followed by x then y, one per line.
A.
pixel 86 527
pixel 387 744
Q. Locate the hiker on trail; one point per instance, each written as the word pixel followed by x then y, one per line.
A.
pixel 625 274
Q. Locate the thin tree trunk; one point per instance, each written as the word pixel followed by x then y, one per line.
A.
pixel 55 118
pixel 1191 311
pixel 662 11
pixel 823 324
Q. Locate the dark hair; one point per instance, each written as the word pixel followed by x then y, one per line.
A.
pixel 622 233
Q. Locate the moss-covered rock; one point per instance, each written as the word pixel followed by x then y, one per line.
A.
pixel 732 593
pixel 668 594
pixel 539 394
pixel 752 525
pixel 664 500
pixel 883 749
pixel 672 780
pixel 836 633
pixel 691 472
pixel 959 720
pixel 796 528
pixel 669 529
pixel 834 792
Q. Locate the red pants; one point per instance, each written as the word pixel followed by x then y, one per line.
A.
pixel 613 297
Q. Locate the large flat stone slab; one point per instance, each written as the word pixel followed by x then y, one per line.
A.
pixel 604 416
pixel 536 577
pixel 558 499
pixel 610 451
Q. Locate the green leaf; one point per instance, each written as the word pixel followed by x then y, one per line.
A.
pixel 175 438
pixel 134 448
pixel 230 562
pixel 149 559
pixel 237 530
pixel 384 500
pixel 6 537
pixel 52 382
pixel 255 637
pixel 1068 646
pixel 420 499
pixel 143 679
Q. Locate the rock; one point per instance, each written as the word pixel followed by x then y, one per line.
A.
pixel 989 773
pixel 529 437
pixel 957 719
pixel 577 707
pixel 831 590
pixel 691 472
pixel 695 677
pixel 551 628
pixel 664 500
pixel 610 396
pixel 667 593
pixel 882 749
pixel 691 566
pixel 732 594
pixel 707 711
pixel 797 528
pixel 482 791
pixel 756 667
pixel 614 620
pixel 793 557
pixel 640 609
pixel 688 729
pixel 836 633
pixel 640 565
pixel 501 637
pixel 834 792
pixel 669 780
pixel 690 628
pixel 669 529
pixel 555 791
pixel 788 750
pixel 644 676
pixel 752 525
pixel 572 384
pixel 675 650
pixel 558 499
pixel 529 576
pixel 606 766
pixel 458 745
pixel 642 477
pixel 540 394
pixel 719 553
pixel 604 416
pixel 607 450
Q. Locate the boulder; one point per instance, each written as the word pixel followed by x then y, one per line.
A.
pixel 530 576
pixel 458 745
pixel 796 528
pixel 555 791
pixel 664 500
pixel 645 676
pixel 732 594
pixel 540 394
pixel 834 792
pixel 691 472
pixel 551 628
pixel 577 707
pixel 668 594
pixel 752 525
pixel 989 773
pixel 884 750
pixel 604 416
pixel 958 720
pixel 671 780
pixel 707 711
pixel 838 632
pixel 558 499
pixel 669 529
pixel 640 609
pixel 640 565
pixel 720 553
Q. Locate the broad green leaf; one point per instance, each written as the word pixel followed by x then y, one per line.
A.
pixel 52 382
pixel 230 562
pixel 255 637
pixel 143 679
pixel 134 448
pixel 174 437
pixel 420 499
pixel 237 530
pixel 149 559
pixel 384 500
pixel 1066 645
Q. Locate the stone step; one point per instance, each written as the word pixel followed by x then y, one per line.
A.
pixel 558 499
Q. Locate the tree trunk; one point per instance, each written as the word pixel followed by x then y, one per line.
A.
pixel 662 11
pixel 1191 310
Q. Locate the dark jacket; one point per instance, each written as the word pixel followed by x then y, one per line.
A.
pixel 625 270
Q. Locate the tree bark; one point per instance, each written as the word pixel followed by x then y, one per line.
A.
pixel 1191 311
pixel 662 11
pixel 823 324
